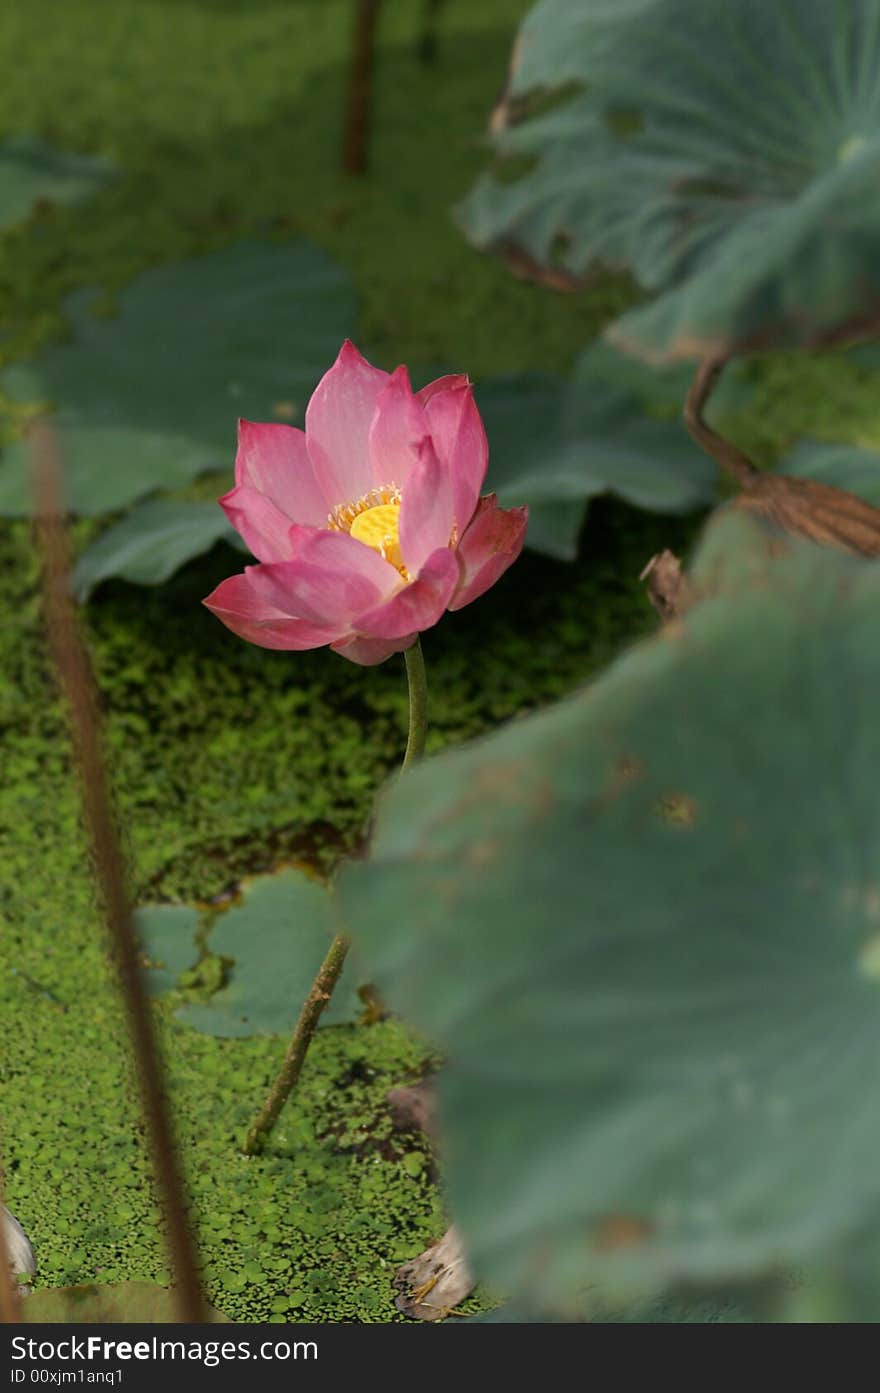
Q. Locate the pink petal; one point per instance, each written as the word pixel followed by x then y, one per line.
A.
pixel 263 526
pixel 370 651
pixel 492 543
pixel 399 426
pixel 460 441
pixel 247 607
pixel 338 420
pixel 442 384
pixel 274 460
pixel 427 514
pixel 418 605
pixel 338 551
pixel 329 596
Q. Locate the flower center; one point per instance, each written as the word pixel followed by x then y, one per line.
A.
pixel 377 528
pixel 373 520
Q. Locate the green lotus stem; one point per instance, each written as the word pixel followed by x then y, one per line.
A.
pixel 331 968
pixel 418 704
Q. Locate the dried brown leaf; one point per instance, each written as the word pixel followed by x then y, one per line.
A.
pixel 434 1283
pixel 414 1108
pixel 818 512
pixel 667 587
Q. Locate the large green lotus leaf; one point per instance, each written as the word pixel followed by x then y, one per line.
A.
pixel 137 1303
pixel 149 399
pixel 727 154
pixel 843 1287
pixel 276 938
pixel 151 542
pixel 554 444
pixel 522 415
pixel 644 926
pixel 31 171
pixel 167 935
pixel 851 467
pixel 620 447
pixel 660 389
pixel 555 35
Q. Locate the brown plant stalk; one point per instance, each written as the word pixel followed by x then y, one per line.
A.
pixel 819 512
pixel 728 455
pixel 288 1076
pixel 426 44
pixel 75 681
pixel 359 96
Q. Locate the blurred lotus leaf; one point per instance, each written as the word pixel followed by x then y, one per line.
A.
pixel 726 154
pixel 151 543
pixel 33 172
pixel 275 939
pixel 148 399
pixel 658 992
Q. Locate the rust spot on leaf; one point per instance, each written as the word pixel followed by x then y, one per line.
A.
pixel 622 1231
pixel 482 853
pixel 629 768
pixel 680 809
pixel 517 784
pixel 624 772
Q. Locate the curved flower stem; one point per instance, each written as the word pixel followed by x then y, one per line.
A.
pixel 418 704
pixel 331 968
pixel 733 460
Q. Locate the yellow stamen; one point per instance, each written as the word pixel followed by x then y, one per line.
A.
pixel 344 514
pixel 373 520
pixel 378 528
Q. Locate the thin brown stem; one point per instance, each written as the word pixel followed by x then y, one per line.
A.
pixel 75 681
pixel 356 137
pixel 288 1076
pixel 729 456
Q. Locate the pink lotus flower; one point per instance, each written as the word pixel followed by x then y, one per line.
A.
pixel 368 524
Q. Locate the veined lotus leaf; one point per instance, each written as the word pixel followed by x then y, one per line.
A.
pixel 556 443
pixel 644 928
pixel 553 444
pixel 148 399
pixel 726 154
pixel 151 542
pixel 167 936
pixel 276 939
